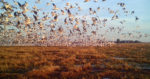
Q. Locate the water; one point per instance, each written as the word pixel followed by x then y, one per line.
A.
pixel 144 66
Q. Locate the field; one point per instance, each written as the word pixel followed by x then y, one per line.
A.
pixel 121 61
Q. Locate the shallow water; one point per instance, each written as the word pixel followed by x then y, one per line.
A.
pixel 119 58
pixel 141 66
pixel 99 68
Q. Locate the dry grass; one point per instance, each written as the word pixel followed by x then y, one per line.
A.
pixel 119 61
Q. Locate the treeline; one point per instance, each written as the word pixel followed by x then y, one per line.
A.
pixel 127 41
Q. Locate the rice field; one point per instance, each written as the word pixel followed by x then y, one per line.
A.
pixel 121 61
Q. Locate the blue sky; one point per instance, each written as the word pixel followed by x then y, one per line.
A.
pixel 141 8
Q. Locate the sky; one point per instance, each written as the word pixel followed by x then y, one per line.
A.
pixel 141 8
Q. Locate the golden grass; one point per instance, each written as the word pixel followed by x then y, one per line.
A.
pixel 118 61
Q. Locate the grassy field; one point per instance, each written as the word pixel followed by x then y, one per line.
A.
pixel 121 61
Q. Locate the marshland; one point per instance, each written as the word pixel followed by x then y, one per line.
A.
pixel 121 61
pixel 74 39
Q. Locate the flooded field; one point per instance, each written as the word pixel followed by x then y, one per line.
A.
pixel 121 61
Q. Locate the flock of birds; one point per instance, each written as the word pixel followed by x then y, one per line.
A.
pixel 24 24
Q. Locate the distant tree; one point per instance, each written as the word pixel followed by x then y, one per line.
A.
pixel 118 41
pixel 136 41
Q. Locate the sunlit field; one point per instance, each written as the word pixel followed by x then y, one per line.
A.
pixel 121 61
pixel 74 39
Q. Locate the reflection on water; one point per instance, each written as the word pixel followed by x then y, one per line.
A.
pixel 138 65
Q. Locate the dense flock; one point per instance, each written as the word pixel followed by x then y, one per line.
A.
pixel 22 23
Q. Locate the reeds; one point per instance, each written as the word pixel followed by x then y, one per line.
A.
pixel 119 61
